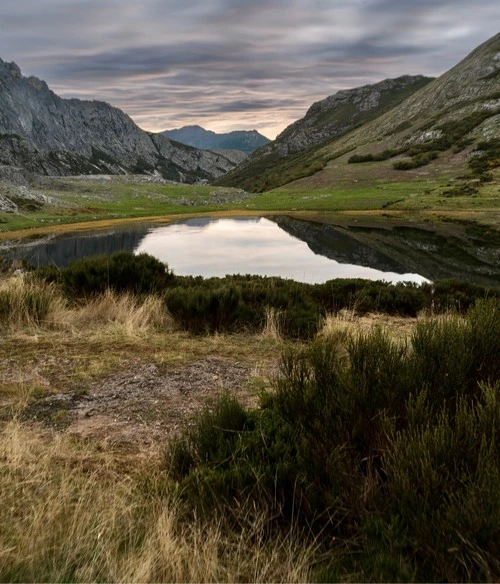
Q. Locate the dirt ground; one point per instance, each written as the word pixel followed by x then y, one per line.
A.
pixel 144 405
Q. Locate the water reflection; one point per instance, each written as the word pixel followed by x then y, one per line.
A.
pixel 62 250
pixel 258 246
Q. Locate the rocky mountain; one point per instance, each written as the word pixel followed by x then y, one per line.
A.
pixel 46 134
pixel 325 120
pixel 450 122
pixel 470 87
pixel 246 141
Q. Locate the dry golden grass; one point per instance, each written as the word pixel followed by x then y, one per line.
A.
pixel 25 302
pixel 68 514
pixel 122 313
pixel 28 304
pixel 273 324
pixel 399 328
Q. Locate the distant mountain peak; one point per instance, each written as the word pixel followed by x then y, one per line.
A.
pixel 245 140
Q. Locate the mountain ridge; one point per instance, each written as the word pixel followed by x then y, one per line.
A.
pixel 326 119
pixel 454 111
pixel 244 140
pixel 47 134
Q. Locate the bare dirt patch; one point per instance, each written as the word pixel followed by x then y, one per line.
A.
pixel 143 406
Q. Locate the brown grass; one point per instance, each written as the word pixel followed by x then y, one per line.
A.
pixel 67 514
pixel 273 324
pixel 399 328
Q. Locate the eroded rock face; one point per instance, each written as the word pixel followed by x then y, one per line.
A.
pixel 50 135
pixel 339 113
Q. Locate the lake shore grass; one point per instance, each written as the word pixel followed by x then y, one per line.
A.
pixel 85 201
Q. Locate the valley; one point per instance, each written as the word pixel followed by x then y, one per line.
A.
pixel 161 425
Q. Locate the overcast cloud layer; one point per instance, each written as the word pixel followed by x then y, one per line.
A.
pixel 234 64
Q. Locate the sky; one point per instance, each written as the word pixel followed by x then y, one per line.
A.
pixel 234 64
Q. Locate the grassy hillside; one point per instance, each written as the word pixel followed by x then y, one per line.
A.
pixel 459 111
pixel 294 153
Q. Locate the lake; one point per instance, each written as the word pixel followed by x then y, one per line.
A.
pixel 280 246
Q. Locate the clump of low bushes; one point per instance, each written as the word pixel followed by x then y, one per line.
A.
pixel 416 161
pixel 378 157
pixel 241 303
pixel 385 453
pixel 119 272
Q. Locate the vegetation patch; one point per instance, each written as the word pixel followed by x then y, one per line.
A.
pixel 120 272
pixel 387 449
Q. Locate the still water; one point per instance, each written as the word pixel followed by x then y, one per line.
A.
pixel 249 246
pixel 217 247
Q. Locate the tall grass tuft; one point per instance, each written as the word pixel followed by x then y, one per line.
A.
pixel 273 324
pixel 27 302
pixel 123 313
pixel 69 515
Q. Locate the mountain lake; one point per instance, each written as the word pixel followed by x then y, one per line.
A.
pixel 278 246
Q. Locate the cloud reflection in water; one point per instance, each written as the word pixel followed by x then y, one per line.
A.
pixel 218 247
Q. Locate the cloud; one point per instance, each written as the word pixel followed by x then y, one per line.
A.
pixel 233 64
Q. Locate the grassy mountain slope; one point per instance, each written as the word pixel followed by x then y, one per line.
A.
pixel 442 123
pixel 287 157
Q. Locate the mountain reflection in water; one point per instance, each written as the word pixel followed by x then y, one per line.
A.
pixel 281 246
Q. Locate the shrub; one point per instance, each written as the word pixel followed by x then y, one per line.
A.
pixel 240 303
pixel 458 295
pixel 391 446
pixel 443 487
pixel 357 158
pixel 205 310
pixel 418 160
pixel 120 272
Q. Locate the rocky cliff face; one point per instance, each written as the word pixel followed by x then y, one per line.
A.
pixel 325 120
pixel 341 112
pixel 46 134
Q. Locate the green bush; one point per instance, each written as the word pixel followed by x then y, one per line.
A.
pixel 457 295
pixel 419 159
pixel 205 310
pixel 443 487
pixel 357 158
pixel 240 302
pixel 122 272
pixel 380 156
pixel 393 447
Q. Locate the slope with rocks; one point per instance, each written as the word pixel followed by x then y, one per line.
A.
pixel 46 134
pixel 281 160
pixel 246 141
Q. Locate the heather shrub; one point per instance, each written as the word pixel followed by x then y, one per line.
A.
pixel 120 272
pixel 392 447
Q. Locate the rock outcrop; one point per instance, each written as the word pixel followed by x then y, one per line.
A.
pixel 341 112
pixel 46 134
